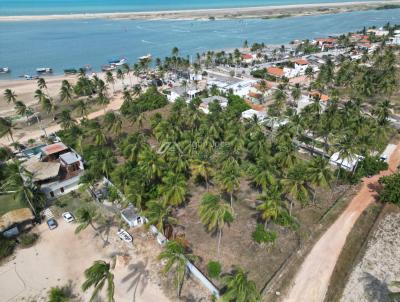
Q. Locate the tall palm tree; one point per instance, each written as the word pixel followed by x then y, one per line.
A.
pixel 113 122
pixel 127 70
pixel 85 216
pixel 173 189
pixel 21 109
pixel 66 120
pixel 382 112
pixel 203 168
pixel 228 178
pixel 176 257
pixel 41 82
pixel 6 128
pixel 47 105
pixel 214 214
pixel 295 185
pixel 110 79
pixel 66 94
pixel 39 95
pixel 96 276
pixel 318 173
pixel 158 214
pixel 271 208
pixel 82 107
pixel 10 96
pixel 103 100
pixel 121 76
pixel 239 288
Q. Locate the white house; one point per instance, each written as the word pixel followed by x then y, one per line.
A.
pixel 250 113
pixel 56 169
pixel 222 101
pixel 395 40
pixel 131 217
pixel 349 164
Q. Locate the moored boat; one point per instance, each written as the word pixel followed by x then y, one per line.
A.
pixel 118 62
pixel 70 71
pixel 146 57
pixel 44 70
pixel 108 67
pixel 4 70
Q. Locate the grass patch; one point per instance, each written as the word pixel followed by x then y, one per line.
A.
pixel 28 239
pixel 351 250
pixel 6 247
pixel 8 203
pixel 71 202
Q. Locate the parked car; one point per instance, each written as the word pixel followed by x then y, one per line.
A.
pixel 124 235
pixel 52 223
pixel 68 217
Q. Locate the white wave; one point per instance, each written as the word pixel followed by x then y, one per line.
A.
pixel 147 42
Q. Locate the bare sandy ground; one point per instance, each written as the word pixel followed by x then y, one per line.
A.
pixel 60 255
pixel 380 266
pixel 312 280
pixel 222 13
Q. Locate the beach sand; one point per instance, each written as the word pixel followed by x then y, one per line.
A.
pixel 220 13
pixel 61 255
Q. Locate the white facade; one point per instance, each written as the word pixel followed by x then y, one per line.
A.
pixel 248 114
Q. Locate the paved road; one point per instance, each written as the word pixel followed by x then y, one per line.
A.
pixel 312 280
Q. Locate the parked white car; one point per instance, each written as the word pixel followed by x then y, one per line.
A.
pixel 68 217
pixel 124 235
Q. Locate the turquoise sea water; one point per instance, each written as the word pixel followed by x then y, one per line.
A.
pixel 24 46
pixel 43 7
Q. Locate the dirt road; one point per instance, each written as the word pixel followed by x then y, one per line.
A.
pixel 312 280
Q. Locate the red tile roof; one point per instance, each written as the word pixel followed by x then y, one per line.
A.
pixel 247 56
pixel 54 148
pixel 275 71
pixel 322 97
pixel 301 62
pixel 255 95
pixel 326 40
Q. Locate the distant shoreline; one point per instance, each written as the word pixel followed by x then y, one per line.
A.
pixel 265 12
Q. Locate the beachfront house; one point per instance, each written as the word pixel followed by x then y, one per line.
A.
pixel 132 218
pixel 325 43
pixel 248 58
pixel 15 221
pixel 182 92
pixel 349 163
pixel 251 113
pixel 55 169
pixel 380 32
pixel 222 101
pixel 395 40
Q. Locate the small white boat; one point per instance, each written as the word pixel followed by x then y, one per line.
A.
pixel 29 77
pixel 108 67
pixel 4 70
pixel 124 235
pixel 146 57
pixel 118 62
pixel 44 70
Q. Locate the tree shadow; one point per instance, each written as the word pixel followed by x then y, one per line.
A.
pixel 375 289
pixel 137 277
pixel 104 230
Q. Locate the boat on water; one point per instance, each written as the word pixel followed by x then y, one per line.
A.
pixel 70 71
pixel 118 62
pixel 146 57
pixel 4 70
pixel 29 77
pixel 43 70
pixel 108 67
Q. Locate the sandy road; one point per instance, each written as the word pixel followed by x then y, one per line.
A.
pixel 312 280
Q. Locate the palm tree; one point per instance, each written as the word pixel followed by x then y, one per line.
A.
pixel 214 214
pixel 103 100
pixel 158 214
pixel 238 288
pixel 66 94
pixel 96 276
pixel 203 168
pixel 41 82
pixel 228 178
pixel 21 109
pixel 295 185
pixel 110 79
pixel 58 294
pixel 113 122
pixel 296 92
pixel 47 105
pixel 66 120
pixel 82 107
pixel 382 112
pixel 39 95
pixel 6 128
pixel 173 189
pixel 121 76
pixel 10 96
pixel 176 257
pixel 271 208
pixel 318 173
pixel 85 216
pixel 100 138
pixel 127 70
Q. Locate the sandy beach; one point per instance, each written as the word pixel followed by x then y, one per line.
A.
pixel 276 11
pixel 61 255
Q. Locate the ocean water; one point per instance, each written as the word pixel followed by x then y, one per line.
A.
pixel 24 46
pixel 43 7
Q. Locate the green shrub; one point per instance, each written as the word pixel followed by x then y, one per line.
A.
pixel 149 100
pixel 261 235
pixel 237 105
pixel 285 220
pixel 6 247
pixel 214 269
pixel 391 189
pixel 28 239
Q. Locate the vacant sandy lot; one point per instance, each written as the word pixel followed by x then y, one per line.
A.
pixel 371 278
pixel 60 256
